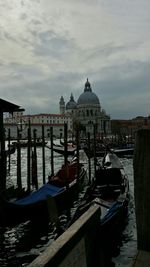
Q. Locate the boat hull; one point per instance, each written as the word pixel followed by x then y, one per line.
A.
pixel 36 206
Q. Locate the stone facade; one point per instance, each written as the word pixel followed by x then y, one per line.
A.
pixel 87 112
pixel 83 114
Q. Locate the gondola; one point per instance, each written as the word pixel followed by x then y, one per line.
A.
pixel 120 152
pixel 110 190
pixel 61 188
pixel 61 149
pixel 24 144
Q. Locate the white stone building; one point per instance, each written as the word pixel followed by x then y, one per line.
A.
pixel 36 121
pixel 87 112
pixel 84 113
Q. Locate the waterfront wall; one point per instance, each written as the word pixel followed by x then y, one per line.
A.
pixel 78 246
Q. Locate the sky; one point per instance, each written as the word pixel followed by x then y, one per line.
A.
pixel 49 48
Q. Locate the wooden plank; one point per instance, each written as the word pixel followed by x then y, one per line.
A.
pixel 142 259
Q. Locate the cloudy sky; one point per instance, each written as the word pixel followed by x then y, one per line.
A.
pixel 49 48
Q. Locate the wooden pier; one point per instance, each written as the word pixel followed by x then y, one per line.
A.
pixel 78 246
pixel 142 259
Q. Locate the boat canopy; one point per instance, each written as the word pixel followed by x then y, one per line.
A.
pixel 41 194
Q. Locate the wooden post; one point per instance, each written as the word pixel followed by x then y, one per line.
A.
pixel 43 153
pixel 52 152
pixel 89 158
pixel 34 162
pixel 19 182
pixel 66 154
pixel 141 163
pixel 77 144
pixel 95 159
pixel 2 155
pixel 9 150
pixel 29 158
pixel 65 143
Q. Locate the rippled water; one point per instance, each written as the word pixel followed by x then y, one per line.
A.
pixel 21 244
pixel 129 240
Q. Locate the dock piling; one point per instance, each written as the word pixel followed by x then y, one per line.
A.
pixel 141 164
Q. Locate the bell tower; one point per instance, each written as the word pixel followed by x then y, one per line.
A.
pixel 62 105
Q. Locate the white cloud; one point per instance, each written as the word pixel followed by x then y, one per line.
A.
pixel 53 46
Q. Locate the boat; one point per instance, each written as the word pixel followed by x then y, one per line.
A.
pixel 70 143
pixel 38 143
pixel 61 188
pixel 128 151
pixel 110 190
pixel 61 149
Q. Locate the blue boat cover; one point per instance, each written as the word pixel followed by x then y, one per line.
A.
pixel 40 194
pixel 112 211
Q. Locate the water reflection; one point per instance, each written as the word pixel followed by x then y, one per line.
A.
pixel 21 244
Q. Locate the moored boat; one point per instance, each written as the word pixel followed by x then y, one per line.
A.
pixel 61 149
pixel 110 190
pixel 62 188
pixel 118 151
pixel 38 143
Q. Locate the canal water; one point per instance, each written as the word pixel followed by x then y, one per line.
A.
pixel 21 244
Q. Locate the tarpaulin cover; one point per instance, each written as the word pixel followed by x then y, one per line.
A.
pixel 41 194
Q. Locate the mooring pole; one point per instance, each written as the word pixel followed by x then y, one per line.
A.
pixel 2 155
pixel 43 154
pixel 52 152
pixel 78 160
pixel 89 160
pixel 9 150
pixel 19 182
pixel 34 163
pixel 141 164
pixel 29 159
pixel 65 143
pixel 66 154
pixel 95 159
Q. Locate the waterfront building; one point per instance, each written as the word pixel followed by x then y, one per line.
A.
pixel 36 121
pixel 83 114
pixel 87 112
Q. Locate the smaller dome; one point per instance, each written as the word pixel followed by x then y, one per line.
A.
pixel 71 104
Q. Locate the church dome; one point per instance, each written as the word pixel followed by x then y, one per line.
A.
pixel 88 97
pixel 71 104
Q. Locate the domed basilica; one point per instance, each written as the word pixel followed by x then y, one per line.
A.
pixel 87 111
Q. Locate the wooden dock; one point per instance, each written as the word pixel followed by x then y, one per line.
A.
pixel 142 259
